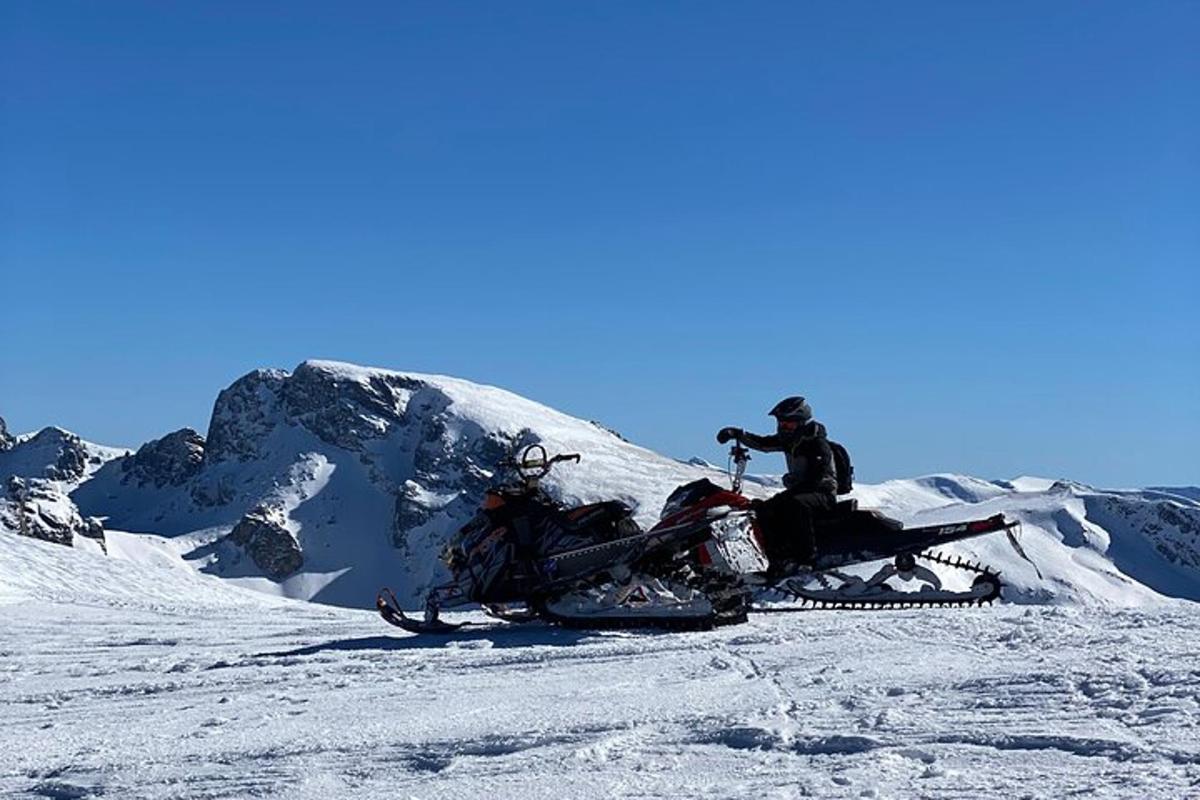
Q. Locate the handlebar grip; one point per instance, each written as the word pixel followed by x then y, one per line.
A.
pixel 568 457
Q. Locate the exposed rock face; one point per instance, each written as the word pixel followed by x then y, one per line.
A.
pixel 263 534
pixel 52 454
pixel 375 415
pixel 170 461
pixel 607 429
pixel 1172 528
pixel 6 441
pixel 69 456
pixel 243 416
pixel 36 508
pixel 213 492
pixel 348 413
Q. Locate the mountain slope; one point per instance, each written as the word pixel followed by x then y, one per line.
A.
pixel 368 471
pixel 1090 545
pixel 329 481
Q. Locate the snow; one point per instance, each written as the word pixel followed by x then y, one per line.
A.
pixel 1030 483
pixel 138 679
pixel 33 451
pixel 168 666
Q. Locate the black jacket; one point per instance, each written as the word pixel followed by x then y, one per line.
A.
pixel 809 458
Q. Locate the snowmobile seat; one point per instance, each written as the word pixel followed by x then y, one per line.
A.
pixel 886 521
pixel 848 515
pixel 835 531
pixel 610 518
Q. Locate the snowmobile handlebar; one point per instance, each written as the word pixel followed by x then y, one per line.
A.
pixel 535 463
pixel 738 458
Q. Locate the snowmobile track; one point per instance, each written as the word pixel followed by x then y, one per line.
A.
pixel 984 591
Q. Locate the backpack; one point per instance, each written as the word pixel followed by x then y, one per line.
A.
pixel 845 470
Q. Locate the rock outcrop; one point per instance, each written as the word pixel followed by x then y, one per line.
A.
pixel 52 453
pixel 170 461
pixel 264 536
pixel 71 461
pixel 37 508
pixel 6 440
pixel 1171 527
pixel 243 416
pixel 346 412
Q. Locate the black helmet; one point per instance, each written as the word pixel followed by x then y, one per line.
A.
pixel 796 409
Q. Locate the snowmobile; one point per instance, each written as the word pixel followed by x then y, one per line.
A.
pixel 524 557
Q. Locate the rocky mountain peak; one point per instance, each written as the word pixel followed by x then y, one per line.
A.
pixel 52 453
pixel 6 440
pixel 169 461
pixel 244 414
pixel 341 408
pixel 345 408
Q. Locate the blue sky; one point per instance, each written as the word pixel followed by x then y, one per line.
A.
pixel 968 232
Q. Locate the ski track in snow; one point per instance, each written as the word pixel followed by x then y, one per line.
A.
pixel 221 692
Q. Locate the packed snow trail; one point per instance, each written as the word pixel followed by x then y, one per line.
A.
pixel 192 688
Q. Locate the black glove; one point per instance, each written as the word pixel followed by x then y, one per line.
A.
pixel 756 503
pixel 725 434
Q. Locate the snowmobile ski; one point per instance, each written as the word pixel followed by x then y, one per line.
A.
pixel 389 609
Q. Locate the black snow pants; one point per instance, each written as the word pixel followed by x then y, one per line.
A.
pixel 787 525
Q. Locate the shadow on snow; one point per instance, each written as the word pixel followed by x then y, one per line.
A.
pixel 499 636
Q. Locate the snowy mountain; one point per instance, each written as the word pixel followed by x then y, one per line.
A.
pixel 1096 546
pixel 37 474
pixel 332 480
pixel 329 481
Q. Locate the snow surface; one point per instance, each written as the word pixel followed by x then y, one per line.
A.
pixel 140 679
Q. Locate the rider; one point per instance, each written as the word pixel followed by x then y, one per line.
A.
pixel 810 483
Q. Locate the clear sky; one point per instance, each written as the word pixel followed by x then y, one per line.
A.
pixel 968 232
